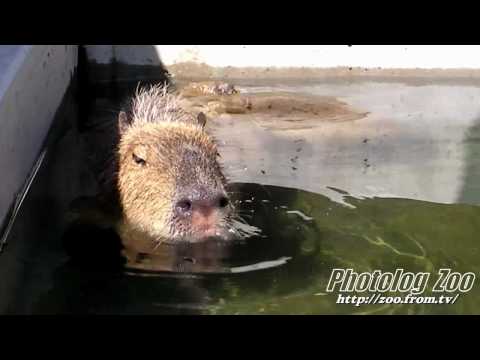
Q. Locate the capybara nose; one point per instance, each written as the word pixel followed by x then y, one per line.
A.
pixel 202 204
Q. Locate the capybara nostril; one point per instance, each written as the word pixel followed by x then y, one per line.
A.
pixel 184 205
pixel 223 201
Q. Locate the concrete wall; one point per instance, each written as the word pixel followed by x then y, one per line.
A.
pixel 33 80
pixel 314 56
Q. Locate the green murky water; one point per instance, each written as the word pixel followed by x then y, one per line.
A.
pixel 286 269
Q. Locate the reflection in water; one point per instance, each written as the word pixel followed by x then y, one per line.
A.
pixel 282 270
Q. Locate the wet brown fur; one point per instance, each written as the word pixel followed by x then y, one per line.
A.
pixel 161 151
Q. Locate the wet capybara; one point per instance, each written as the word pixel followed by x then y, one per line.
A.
pixel 161 181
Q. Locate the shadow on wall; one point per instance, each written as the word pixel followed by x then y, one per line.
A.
pixel 470 192
pixel 114 71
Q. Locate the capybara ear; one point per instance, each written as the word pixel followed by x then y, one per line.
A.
pixel 202 119
pixel 139 154
pixel 122 121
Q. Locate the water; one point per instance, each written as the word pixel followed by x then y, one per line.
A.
pixel 318 203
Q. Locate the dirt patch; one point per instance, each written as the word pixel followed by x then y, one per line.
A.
pixel 289 107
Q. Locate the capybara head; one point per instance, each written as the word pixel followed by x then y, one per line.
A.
pixel 171 186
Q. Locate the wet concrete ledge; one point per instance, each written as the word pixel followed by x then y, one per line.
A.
pixel 33 80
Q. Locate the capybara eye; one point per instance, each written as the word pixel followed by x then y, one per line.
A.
pixel 223 202
pixel 138 160
pixel 184 205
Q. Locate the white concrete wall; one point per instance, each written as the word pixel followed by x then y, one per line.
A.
pixel 33 80
pixel 314 56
